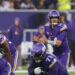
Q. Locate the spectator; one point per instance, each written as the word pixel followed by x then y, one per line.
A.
pixel 41 5
pixel 63 17
pixel 35 2
pixel 2 8
pixel 27 4
pixel 73 6
pixel 17 4
pixel 15 35
pixel 64 4
pixel 1 4
pixel 7 3
pixel 11 6
pixel 51 4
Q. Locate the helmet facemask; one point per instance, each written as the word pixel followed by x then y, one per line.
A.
pixel 39 56
pixel 54 14
pixel 54 20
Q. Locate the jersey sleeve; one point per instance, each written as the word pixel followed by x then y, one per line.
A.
pixel 64 27
pixel 53 70
pixel 2 39
pixel 52 63
pixel 51 60
pixel 61 35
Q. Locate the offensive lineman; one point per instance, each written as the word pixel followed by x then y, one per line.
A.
pixel 45 64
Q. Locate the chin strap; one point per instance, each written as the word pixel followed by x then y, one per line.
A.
pixel 54 24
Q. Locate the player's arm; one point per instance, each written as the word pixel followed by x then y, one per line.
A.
pixel 64 28
pixel 57 40
pixel 60 38
pixel 43 39
pixel 31 68
pixel 53 70
pixel 7 51
pixel 54 42
pixel 35 38
pixel 53 67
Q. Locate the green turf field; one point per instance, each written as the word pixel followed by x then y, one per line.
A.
pixel 26 67
pixel 71 73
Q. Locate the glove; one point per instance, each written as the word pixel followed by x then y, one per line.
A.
pixel 37 70
pixel 52 42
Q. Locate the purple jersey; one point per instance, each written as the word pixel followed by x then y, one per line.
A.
pixel 13 52
pixel 4 65
pixel 50 66
pixel 60 35
pixel 11 45
pixel 15 34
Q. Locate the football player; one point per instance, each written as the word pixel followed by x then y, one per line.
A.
pixel 43 63
pixel 5 56
pixel 39 36
pixel 13 51
pixel 57 37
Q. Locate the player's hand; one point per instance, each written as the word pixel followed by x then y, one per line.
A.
pixel 45 39
pixel 53 42
pixel 37 70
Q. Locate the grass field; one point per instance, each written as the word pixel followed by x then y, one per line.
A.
pixel 26 67
pixel 71 73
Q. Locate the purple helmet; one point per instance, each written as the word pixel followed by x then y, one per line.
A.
pixel 38 52
pixel 36 33
pixel 54 14
pixel 41 27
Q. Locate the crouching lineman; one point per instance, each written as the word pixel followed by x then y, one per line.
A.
pixel 13 51
pixel 45 64
pixel 5 57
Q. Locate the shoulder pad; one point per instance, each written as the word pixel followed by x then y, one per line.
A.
pixel 63 27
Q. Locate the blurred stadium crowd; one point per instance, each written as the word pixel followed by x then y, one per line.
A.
pixel 37 4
